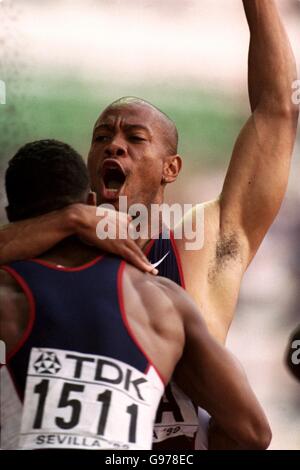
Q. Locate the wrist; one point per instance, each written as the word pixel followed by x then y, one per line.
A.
pixel 73 217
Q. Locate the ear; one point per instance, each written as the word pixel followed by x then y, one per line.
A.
pixel 171 168
pixel 91 199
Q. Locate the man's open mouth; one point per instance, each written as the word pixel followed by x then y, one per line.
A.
pixel 113 178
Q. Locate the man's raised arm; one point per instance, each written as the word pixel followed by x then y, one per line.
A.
pixel 258 173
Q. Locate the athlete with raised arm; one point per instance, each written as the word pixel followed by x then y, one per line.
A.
pixel 134 154
pixel 92 341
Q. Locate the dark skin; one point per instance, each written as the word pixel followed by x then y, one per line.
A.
pixel 138 136
pixel 236 221
pixel 168 325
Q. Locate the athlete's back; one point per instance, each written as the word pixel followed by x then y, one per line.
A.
pixel 82 377
pixel 149 326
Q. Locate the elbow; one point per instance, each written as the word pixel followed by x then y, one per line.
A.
pixel 288 111
pixel 283 108
pixel 73 215
pixel 261 439
pixel 257 435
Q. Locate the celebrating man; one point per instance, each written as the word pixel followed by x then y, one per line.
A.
pixel 134 154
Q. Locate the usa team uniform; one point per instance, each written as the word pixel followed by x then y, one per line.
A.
pixel 78 379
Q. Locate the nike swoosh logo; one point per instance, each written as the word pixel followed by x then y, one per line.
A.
pixel 160 261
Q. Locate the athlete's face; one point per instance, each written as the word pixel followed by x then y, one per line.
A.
pixel 128 156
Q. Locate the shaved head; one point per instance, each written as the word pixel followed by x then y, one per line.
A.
pixel 141 141
pixel 167 125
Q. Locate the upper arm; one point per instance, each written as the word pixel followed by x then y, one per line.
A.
pixel 257 177
pixel 14 311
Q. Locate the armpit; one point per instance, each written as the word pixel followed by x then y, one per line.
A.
pixel 228 249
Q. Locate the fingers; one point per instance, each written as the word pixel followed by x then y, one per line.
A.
pixel 118 239
pixel 133 252
pixel 134 255
pixel 136 261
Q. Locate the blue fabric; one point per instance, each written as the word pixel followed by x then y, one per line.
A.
pixel 76 311
pixel 169 267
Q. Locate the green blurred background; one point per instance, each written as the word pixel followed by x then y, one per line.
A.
pixel 66 108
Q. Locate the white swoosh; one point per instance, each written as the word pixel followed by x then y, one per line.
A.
pixel 160 261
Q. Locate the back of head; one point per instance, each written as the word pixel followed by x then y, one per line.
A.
pixel 43 176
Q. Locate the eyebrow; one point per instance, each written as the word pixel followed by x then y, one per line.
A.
pixel 110 127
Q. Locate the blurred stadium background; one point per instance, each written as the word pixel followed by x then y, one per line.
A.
pixel 64 60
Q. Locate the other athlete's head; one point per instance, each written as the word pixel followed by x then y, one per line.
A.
pixel 133 153
pixel 44 176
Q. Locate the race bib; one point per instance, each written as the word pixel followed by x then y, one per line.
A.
pixel 176 416
pixel 83 401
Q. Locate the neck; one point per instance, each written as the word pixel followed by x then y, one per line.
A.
pixel 70 252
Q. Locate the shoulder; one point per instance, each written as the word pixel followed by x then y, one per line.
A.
pixel 14 310
pixel 162 294
pixel 159 298
pixel 7 281
pixel 11 292
pixel 155 286
pixel 206 213
pixel 12 295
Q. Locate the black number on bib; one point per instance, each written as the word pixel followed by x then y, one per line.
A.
pixel 41 389
pixel 105 398
pixel 133 411
pixel 75 405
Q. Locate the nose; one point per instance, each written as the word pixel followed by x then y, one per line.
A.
pixel 114 150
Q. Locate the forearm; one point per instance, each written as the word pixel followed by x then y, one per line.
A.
pixel 272 68
pixel 32 237
pixel 218 384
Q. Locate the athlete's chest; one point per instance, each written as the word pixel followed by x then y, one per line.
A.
pixel 213 286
